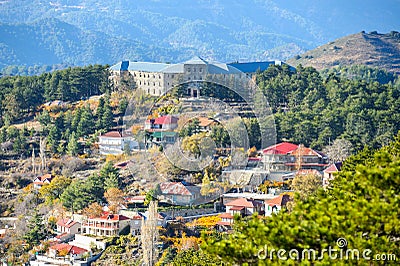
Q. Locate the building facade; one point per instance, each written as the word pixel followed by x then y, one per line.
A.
pixel 106 225
pixel 114 143
pixel 157 78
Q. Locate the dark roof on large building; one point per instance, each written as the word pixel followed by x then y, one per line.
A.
pixel 212 67
pixel 253 67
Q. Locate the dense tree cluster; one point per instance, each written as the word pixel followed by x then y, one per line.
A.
pixel 361 72
pixel 315 111
pixel 80 193
pixel 21 95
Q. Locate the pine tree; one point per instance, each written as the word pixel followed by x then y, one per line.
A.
pixel 72 148
pixel 53 138
pixel 107 119
pixel 76 118
pixel 86 123
pixel 36 230
pixel 100 113
pixel 112 181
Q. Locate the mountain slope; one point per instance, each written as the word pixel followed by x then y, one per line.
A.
pixel 92 31
pixel 371 49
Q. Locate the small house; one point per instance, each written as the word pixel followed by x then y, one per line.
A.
pixel 40 181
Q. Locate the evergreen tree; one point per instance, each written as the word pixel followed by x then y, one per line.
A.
pixel 53 138
pixel 100 113
pixel 108 170
pixel 112 181
pixel 75 119
pixel 86 122
pixel 36 230
pixel 78 195
pixel 3 134
pixel 106 120
pixel 72 148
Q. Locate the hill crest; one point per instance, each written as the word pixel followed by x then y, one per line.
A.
pixel 371 49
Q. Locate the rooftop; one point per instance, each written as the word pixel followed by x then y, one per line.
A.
pixel 280 148
pixel 70 248
pixel 253 67
pixel 308 172
pixel 178 188
pixel 241 202
pixel 41 179
pixel 281 200
pixel 66 222
pixel 139 66
pixel 112 134
pixel 304 151
pixel 111 217
pixel 212 67
pixel 333 168
pixel 166 120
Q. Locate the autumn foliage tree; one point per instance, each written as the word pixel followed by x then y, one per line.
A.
pixel 114 197
pixel 53 190
pixel 93 210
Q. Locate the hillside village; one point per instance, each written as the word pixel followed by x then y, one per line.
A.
pixel 262 185
pixel 94 169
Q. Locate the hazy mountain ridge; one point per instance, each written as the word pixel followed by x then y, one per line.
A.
pixel 370 49
pixel 174 30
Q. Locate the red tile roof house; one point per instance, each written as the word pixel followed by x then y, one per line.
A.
pixel 275 157
pixel 180 193
pixel 276 204
pixel 166 122
pixel 114 142
pixel 133 201
pixel 206 123
pixel 68 226
pixel 243 207
pixel 106 225
pixel 40 181
pixel 226 220
pixel 309 159
pixel 73 252
pixel 240 206
pixel 329 173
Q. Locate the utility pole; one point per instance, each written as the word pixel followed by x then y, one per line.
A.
pixel 299 156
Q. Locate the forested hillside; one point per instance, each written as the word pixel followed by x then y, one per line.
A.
pixel 315 111
pixel 20 96
pixel 310 108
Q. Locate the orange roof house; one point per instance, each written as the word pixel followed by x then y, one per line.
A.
pixel 68 226
pixel 276 204
pixel 71 250
pixel 40 181
pixel 243 206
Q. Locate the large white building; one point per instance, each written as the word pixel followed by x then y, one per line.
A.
pixel 157 78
